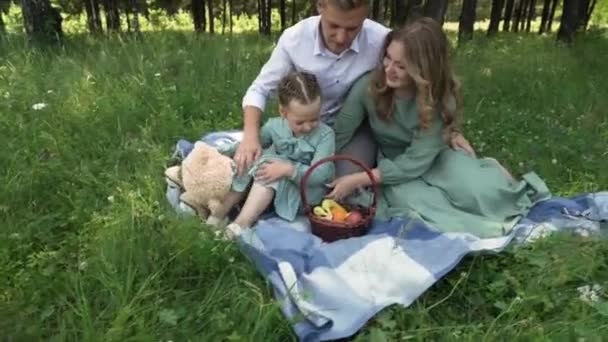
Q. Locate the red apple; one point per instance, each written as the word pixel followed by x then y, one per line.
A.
pixel 354 217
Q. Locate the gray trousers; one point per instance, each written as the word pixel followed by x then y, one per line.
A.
pixel 362 147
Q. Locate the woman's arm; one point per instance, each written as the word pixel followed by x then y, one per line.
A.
pixel 352 113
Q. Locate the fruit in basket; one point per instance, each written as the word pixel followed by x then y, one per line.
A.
pixel 354 217
pixel 337 211
pixel 322 213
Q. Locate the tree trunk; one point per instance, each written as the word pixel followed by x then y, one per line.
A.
pixel 569 22
pixel 586 9
pixel 551 15
pixel 517 18
pixel 495 15
pixel 112 15
pixel 436 9
pixel 399 13
pixel 467 21
pixel 224 18
pixel 282 10
pixel 135 10
pixel 198 12
pixel 211 16
pixel 268 17
pixel 506 26
pixel 230 13
pixel 531 14
pixel 523 15
pixel 544 18
pixel 91 7
pixel 41 20
pixel 313 7
pixel 293 12
pixel 261 16
pixel 2 26
pixel 387 5
pixel 414 10
pixel 127 15
pixel 375 9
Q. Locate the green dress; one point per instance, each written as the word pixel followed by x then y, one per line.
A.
pixel 423 178
pixel 279 143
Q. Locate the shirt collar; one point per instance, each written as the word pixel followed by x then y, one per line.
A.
pixel 319 46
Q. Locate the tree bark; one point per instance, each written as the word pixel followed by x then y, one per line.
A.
pixel 2 25
pixel 506 26
pixel 495 15
pixel 112 15
pixel 198 13
pixel 293 12
pixel 268 17
pixel 282 10
pixel 375 9
pixel 544 17
pixel 531 14
pixel 135 10
pixel 552 15
pixel 399 13
pixel 230 3
pixel 211 16
pixel 467 21
pixel 517 17
pixel 436 9
pixel 91 7
pixel 41 20
pixel 387 5
pixel 224 18
pixel 569 22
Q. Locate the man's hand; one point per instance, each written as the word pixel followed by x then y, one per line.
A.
pixel 458 142
pixel 273 170
pixel 249 151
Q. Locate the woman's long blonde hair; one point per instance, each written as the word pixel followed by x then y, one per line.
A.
pixel 428 65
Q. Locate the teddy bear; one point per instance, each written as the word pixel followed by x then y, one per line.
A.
pixel 205 177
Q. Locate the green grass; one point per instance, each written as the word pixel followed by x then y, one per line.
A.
pixel 90 250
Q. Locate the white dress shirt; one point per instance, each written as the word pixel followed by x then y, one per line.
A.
pixel 301 48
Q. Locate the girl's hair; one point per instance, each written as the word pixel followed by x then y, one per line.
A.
pixel 300 86
pixel 427 64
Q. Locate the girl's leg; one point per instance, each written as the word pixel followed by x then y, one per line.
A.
pixel 259 198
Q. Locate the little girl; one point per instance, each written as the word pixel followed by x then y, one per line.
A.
pixel 291 143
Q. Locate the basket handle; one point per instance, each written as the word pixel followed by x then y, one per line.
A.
pixel 332 158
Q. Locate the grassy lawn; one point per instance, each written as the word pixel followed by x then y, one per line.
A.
pixel 91 251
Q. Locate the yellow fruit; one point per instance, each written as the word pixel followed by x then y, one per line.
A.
pixel 337 211
pixel 322 213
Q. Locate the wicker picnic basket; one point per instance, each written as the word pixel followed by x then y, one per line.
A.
pixel 328 230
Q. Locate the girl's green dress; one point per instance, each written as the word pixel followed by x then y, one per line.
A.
pixel 279 143
pixel 422 177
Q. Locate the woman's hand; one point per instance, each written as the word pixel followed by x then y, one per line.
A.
pixel 346 185
pixel 274 170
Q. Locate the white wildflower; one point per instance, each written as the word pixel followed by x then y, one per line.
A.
pixel 521 164
pixel 111 198
pixel 157 74
pixel 50 91
pixel 590 294
pixel 7 95
pixel 553 161
pixel 231 260
pixel 83 265
pixel 39 106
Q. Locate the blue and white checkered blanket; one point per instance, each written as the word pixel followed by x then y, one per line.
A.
pixel 330 290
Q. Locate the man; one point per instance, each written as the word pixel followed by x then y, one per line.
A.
pixel 338 46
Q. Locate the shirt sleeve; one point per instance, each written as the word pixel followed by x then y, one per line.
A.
pixel 323 173
pixel 417 157
pixel 352 114
pixel 277 66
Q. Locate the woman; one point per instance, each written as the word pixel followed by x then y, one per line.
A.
pixel 412 102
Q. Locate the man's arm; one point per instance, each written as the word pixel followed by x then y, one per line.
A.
pixel 254 103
